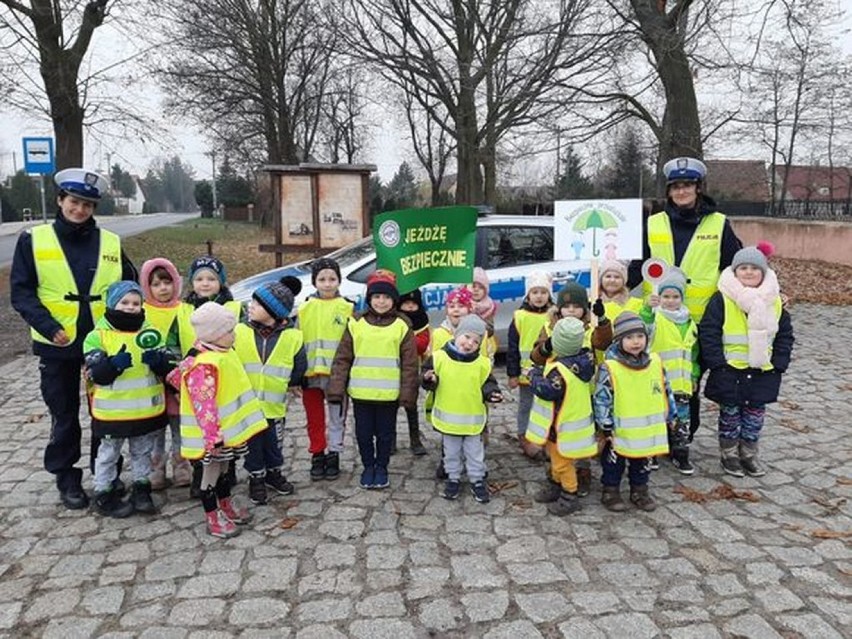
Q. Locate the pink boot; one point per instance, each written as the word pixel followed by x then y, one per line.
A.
pixel 220 526
pixel 239 515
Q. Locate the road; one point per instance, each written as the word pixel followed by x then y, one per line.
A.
pixel 124 226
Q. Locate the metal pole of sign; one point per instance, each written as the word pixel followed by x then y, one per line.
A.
pixel 43 203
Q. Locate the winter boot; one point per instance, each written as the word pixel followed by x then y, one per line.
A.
pixel 749 461
pixel 548 493
pixel 680 460
pixel 417 447
pixel 584 481
pixel 238 515
pixel 653 463
pixel 611 499
pixel 332 466
pixel 566 504
pixel 109 504
pixel 140 497
pixel 195 483
pixel 158 472
pixel 317 466
pixel 278 482
pixel 220 526
pixel 730 458
pixel 257 490
pixel 451 489
pixel 641 498
pixel 181 471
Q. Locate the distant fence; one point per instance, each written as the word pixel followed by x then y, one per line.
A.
pixel 830 210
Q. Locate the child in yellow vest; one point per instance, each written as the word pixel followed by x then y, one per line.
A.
pixel 411 304
pixel 675 337
pixel 123 368
pixel 161 284
pixel 746 341
pixel 524 330
pixel 219 413
pixel 459 304
pixel 633 405
pixel 561 417
pixel 322 320
pixel 376 364
pixel 460 377
pixel 273 356
pixel 485 308
pixel 613 290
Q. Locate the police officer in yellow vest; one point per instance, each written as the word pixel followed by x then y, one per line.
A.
pixel 691 234
pixel 59 277
pixel 634 406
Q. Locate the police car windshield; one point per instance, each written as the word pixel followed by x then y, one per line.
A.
pixel 353 253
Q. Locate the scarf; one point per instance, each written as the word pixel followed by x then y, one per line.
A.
pixel 486 308
pixel 678 316
pixel 759 306
pixel 620 299
pixel 124 321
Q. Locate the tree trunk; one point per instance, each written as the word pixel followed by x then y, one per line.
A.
pixel 67 117
pixel 469 184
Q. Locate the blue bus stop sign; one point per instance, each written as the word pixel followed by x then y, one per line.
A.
pixel 38 156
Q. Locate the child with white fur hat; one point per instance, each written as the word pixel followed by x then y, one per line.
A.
pixel 460 377
pixel 746 341
pixel 524 330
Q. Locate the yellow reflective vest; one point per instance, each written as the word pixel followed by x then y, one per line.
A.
pixel 161 317
pixel 528 325
pixel 375 373
pixel 322 323
pixel 700 263
pixel 136 394
pixel 735 335
pixel 186 333
pixel 270 379
pixel 240 413
pixel 675 351
pixel 56 282
pixel 640 408
pixel 575 429
pixel 458 408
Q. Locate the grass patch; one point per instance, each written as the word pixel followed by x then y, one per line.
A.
pixel 235 243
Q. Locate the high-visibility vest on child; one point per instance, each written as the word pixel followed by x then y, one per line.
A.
pixel 528 325
pixel 375 373
pixel 458 407
pixel 186 333
pixel 322 323
pixel 675 351
pixel 639 409
pixel 161 317
pixel 575 429
pixel 270 379
pixel 735 335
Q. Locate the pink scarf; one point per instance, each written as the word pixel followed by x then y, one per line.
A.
pixel 485 308
pixel 759 306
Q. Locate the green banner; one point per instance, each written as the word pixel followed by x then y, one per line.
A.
pixel 426 245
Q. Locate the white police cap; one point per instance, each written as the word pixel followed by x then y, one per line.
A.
pixel 81 183
pixel 684 170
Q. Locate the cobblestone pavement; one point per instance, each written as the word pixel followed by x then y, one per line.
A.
pixel 406 563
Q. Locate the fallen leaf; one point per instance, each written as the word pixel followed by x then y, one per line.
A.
pixel 844 481
pixel 831 508
pixel 790 404
pixel 521 504
pixel 495 487
pixel 690 494
pixel 821 533
pixel 792 424
pixel 31 419
pixel 288 522
pixel 723 491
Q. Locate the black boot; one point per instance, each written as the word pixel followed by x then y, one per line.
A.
pixel 109 504
pixel 565 505
pixel 584 481
pixel 332 466
pixel 195 484
pixel 318 466
pixel 140 497
pixel 417 447
pixel 257 490
pixel 548 493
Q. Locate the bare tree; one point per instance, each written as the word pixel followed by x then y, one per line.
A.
pixel 343 126
pixel 490 66
pixel 433 146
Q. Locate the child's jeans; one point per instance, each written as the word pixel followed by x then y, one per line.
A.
pixel 562 470
pixel 375 424
pixel 313 399
pixel 679 435
pixel 160 441
pixel 106 463
pixel 264 450
pixel 525 402
pixel 613 465
pixel 741 422
pixel 464 452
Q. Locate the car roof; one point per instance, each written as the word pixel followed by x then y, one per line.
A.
pixel 518 220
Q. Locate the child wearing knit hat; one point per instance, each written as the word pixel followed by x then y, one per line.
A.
pixel 634 407
pixel 485 308
pixel 524 330
pixel 561 418
pixel 613 289
pixel 459 304
pixel 219 413
pixel 124 362
pixel 273 356
pixel 376 364
pixel 411 304
pixel 746 341
pixel 674 336
pixel 322 320
pixel 460 377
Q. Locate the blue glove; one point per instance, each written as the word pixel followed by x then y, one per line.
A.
pixel 122 360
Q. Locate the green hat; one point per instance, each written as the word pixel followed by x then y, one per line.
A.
pixel 567 338
pixel 572 293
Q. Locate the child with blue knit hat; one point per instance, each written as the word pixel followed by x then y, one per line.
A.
pixel 273 356
pixel 674 336
pixel 124 362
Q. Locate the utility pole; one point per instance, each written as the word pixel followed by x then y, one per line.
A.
pixel 212 155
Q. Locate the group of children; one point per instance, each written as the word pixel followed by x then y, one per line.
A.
pixel 217 377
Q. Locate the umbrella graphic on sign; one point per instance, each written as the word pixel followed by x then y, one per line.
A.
pixel 595 219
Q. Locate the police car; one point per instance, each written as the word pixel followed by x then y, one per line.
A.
pixel 508 247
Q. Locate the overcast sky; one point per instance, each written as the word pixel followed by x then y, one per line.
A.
pixel 387 150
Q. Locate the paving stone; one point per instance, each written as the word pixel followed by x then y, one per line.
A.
pixel 539 572
pixel 578 628
pixel 513 630
pixel 172 566
pixel 72 628
pixel 694 631
pixel 383 557
pixel 382 629
pixel 104 601
pixel 795 556
pixel 836 609
pixel 751 626
pixel 595 603
pixel 634 574
pixel 544 607
pixel 222 561
pixel 319 631
pixel 778 599
pixel 476 571
pixel 270 574
pixel 485 606
pixel 52 604
pixel 9 613
pixel 386 604
pixel 218 585
pixel 198 612
pixel 522 549
pixel 144 616
pixel 162 632
pixel 810 625
pixel 631 624
pixel 440 615
pixel 335 555
pixel 324 610
pixel 258 611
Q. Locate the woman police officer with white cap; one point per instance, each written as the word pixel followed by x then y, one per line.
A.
pixel 60 273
